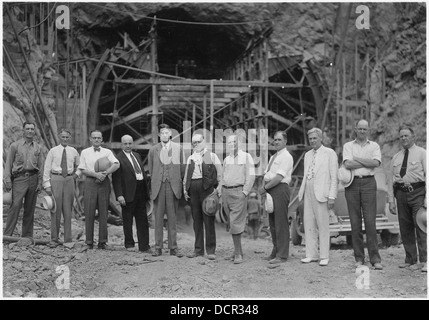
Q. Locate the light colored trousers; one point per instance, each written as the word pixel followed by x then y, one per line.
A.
pixel 63 190
pixel 316 224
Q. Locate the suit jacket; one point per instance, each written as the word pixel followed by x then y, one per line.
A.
pixel 176 169
pixel 124 179
pixel 325 174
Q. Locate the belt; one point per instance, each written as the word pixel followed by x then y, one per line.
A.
pixel 226 187
pixel 60 174
pixel 363 177
pixel 411 187
pixel 25 173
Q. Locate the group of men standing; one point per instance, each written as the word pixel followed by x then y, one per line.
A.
pixel 203 175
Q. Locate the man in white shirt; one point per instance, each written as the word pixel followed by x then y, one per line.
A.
pixel 278 175
pixel 97 188
pixel 237 181
pixel 59 176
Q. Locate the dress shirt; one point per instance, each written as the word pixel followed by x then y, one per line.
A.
pixel 282 165
pixel 88 157
pixel 416 165
pixel 139 176
pixel 197 174
pixel 53 162
pixel 23 156
pixel 367 150
pixel 239 170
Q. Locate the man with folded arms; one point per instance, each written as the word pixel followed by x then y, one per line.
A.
pixel 408 167
pixel 363 156
pixel 23 175
pixel 59 175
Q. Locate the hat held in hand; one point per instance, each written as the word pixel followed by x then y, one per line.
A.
pixel 345 176
pixel 102 164
pixel 48 203
pixel 211 204
pixel 421 219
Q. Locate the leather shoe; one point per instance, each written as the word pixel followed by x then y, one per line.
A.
pixel 324 262
pixel 405 265
pixel 175 252
pixel 425 267
pixel 211 257
pixel 277 261
pixel 308 260
pixel 193 255
pixel 238 259
pixel 103 246
pixel 157 252
pixel 377 266
pixel 272 255
pixel 53 244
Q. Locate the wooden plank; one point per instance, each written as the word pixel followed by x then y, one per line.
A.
pixel 232 83
pixel 195 88
pixel 190 95
pixel 185 105
pixel 194 99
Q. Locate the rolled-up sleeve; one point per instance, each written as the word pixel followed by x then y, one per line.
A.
pixel 376 153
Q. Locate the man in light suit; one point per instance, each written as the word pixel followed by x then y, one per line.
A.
pixel 166 170
pixel 319 190
pixel 131 189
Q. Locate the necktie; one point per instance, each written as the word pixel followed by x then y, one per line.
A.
pixel 96 149
pixel 271 162
pixel 310 174
pixel 64 164
pixel 404 164
pixel 135 164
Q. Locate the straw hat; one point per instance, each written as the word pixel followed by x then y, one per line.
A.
pixel 421 219
pixel 269 205
pixel 48 203
pixel 102 164
pixel 345 176
pixel 211 204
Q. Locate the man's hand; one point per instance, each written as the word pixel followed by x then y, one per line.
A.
pixel 187 197
pixel 392 207
pixel 75 176
pixel 48 191
pixel 100 176
pixel 121 200
pixel 331 204
pixel 262 190
pixel 8 186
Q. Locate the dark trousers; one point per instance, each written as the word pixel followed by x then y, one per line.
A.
pixel 361 198
pixel 166 201
pixel 201 220
pixel 23 188
pixel 278 220
pixel 136 210
pixel 96 196
pixel 408 205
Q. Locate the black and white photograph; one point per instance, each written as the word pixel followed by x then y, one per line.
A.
pixel 202 152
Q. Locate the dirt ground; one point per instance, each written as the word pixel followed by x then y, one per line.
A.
pixel 71 272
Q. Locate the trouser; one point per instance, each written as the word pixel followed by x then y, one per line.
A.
pixel 316 224
pixel 408 205
pixel 136 209
pixel 23 188
pixel 166 201
pixel 63 191
pixel 235 205
pixel 201 220
pixel 361 198
pixel 96 196
pixel 278 220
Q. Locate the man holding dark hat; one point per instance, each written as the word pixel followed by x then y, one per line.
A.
pixel 408 167
pixel 202 175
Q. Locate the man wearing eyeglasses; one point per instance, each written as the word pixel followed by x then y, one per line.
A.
pixel 363 156
pixel 202 175
pixel 166 172
pixel 97 188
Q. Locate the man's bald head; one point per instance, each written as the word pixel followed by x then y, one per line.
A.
pixel 127 143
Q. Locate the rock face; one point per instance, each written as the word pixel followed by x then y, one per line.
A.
pixel 395 43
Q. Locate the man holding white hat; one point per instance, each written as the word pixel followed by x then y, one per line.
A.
pixel 58 181
pixel 408 168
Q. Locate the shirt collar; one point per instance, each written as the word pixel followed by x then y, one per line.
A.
pixel 166 144
pixel 367 141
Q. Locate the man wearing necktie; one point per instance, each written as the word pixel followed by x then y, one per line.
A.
pixel 131 190
pixel 97 188
pixel 166 169
pixel 408 167
pixel 277 177
pixel 59 176
pixel 363 156
pixel 319 190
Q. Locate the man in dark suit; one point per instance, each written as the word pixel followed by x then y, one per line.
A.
pixel 166 170
pixel 131 189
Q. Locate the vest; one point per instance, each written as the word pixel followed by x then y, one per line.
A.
pixel 208 171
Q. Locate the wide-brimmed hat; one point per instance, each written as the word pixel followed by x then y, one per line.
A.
pixel 421 219
pixel 48 203
pixel 211 204
pixel 7 198
pixel 269 204
pixel 345 176
pixel 102 164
